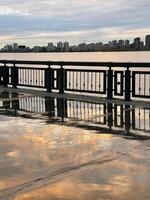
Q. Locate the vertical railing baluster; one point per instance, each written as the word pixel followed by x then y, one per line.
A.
pixel 127 84
pixel 144 84
pixel 87 81
pixel 110 83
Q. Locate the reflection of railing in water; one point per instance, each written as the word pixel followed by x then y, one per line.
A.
pixel 107 115
pixel 141 119
pixel 110 80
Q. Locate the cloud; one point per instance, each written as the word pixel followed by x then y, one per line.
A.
pixel 53 18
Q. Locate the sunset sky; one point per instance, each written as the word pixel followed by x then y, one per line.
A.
pixel 37 22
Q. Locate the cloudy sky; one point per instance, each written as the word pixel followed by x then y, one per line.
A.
pixel 36 22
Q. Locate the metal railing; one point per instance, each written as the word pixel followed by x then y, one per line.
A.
pixel 111 80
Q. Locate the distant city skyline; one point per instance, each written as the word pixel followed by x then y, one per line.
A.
pixel 36 22
pixel 143 39
pixel 64 46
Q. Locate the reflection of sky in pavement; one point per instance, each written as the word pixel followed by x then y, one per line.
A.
pixel 48 161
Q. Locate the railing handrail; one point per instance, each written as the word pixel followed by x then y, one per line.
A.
pixel 80 63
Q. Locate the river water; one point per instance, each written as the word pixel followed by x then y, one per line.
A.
pixel 137 56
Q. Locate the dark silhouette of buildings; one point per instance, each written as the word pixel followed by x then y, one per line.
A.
pixel 147 41
pixel 115 45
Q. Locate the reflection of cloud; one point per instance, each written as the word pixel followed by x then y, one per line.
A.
pixel 8 183
pixel 121 188
pixel 33 149
pixel 13 154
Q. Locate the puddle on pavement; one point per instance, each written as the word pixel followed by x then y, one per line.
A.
pixel 68 149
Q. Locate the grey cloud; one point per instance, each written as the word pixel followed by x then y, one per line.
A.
pixel 51 16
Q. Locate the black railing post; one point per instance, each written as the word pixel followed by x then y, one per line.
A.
pixel 127 85
pixel 61 80
pixel 14 76
pixel 48 79
pixel 6 75
pixel 110 83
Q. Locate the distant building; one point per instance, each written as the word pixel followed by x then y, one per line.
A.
pixel 22 48
pixel 36 48
pixel 8 47
pixel 50 46
pixel 141 44
pixel 137 43
pixel 121 43
pixel 110 44
pixel 127 43
pixel 114 43
pixel 74 48
pixel 147 41
pixel 15 46
pixel 66 46
pixel 60 46
pixel 82 47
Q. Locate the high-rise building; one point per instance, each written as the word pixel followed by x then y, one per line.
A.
pixel 121 43
pixel 141 44
pixel 66 46
pixel 147 41
pixel 60 46
pixel 127 43
pixel 137 43
pixel 114 43
pixel 15 46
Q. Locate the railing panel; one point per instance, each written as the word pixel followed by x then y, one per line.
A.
pixel 90 81
pixel 31 77
pixel 118 83
pixel 141 84
pixel 55 79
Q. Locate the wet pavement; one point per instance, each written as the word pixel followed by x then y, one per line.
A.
pixel 69 150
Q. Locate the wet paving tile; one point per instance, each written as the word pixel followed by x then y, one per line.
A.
pixel 62 155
